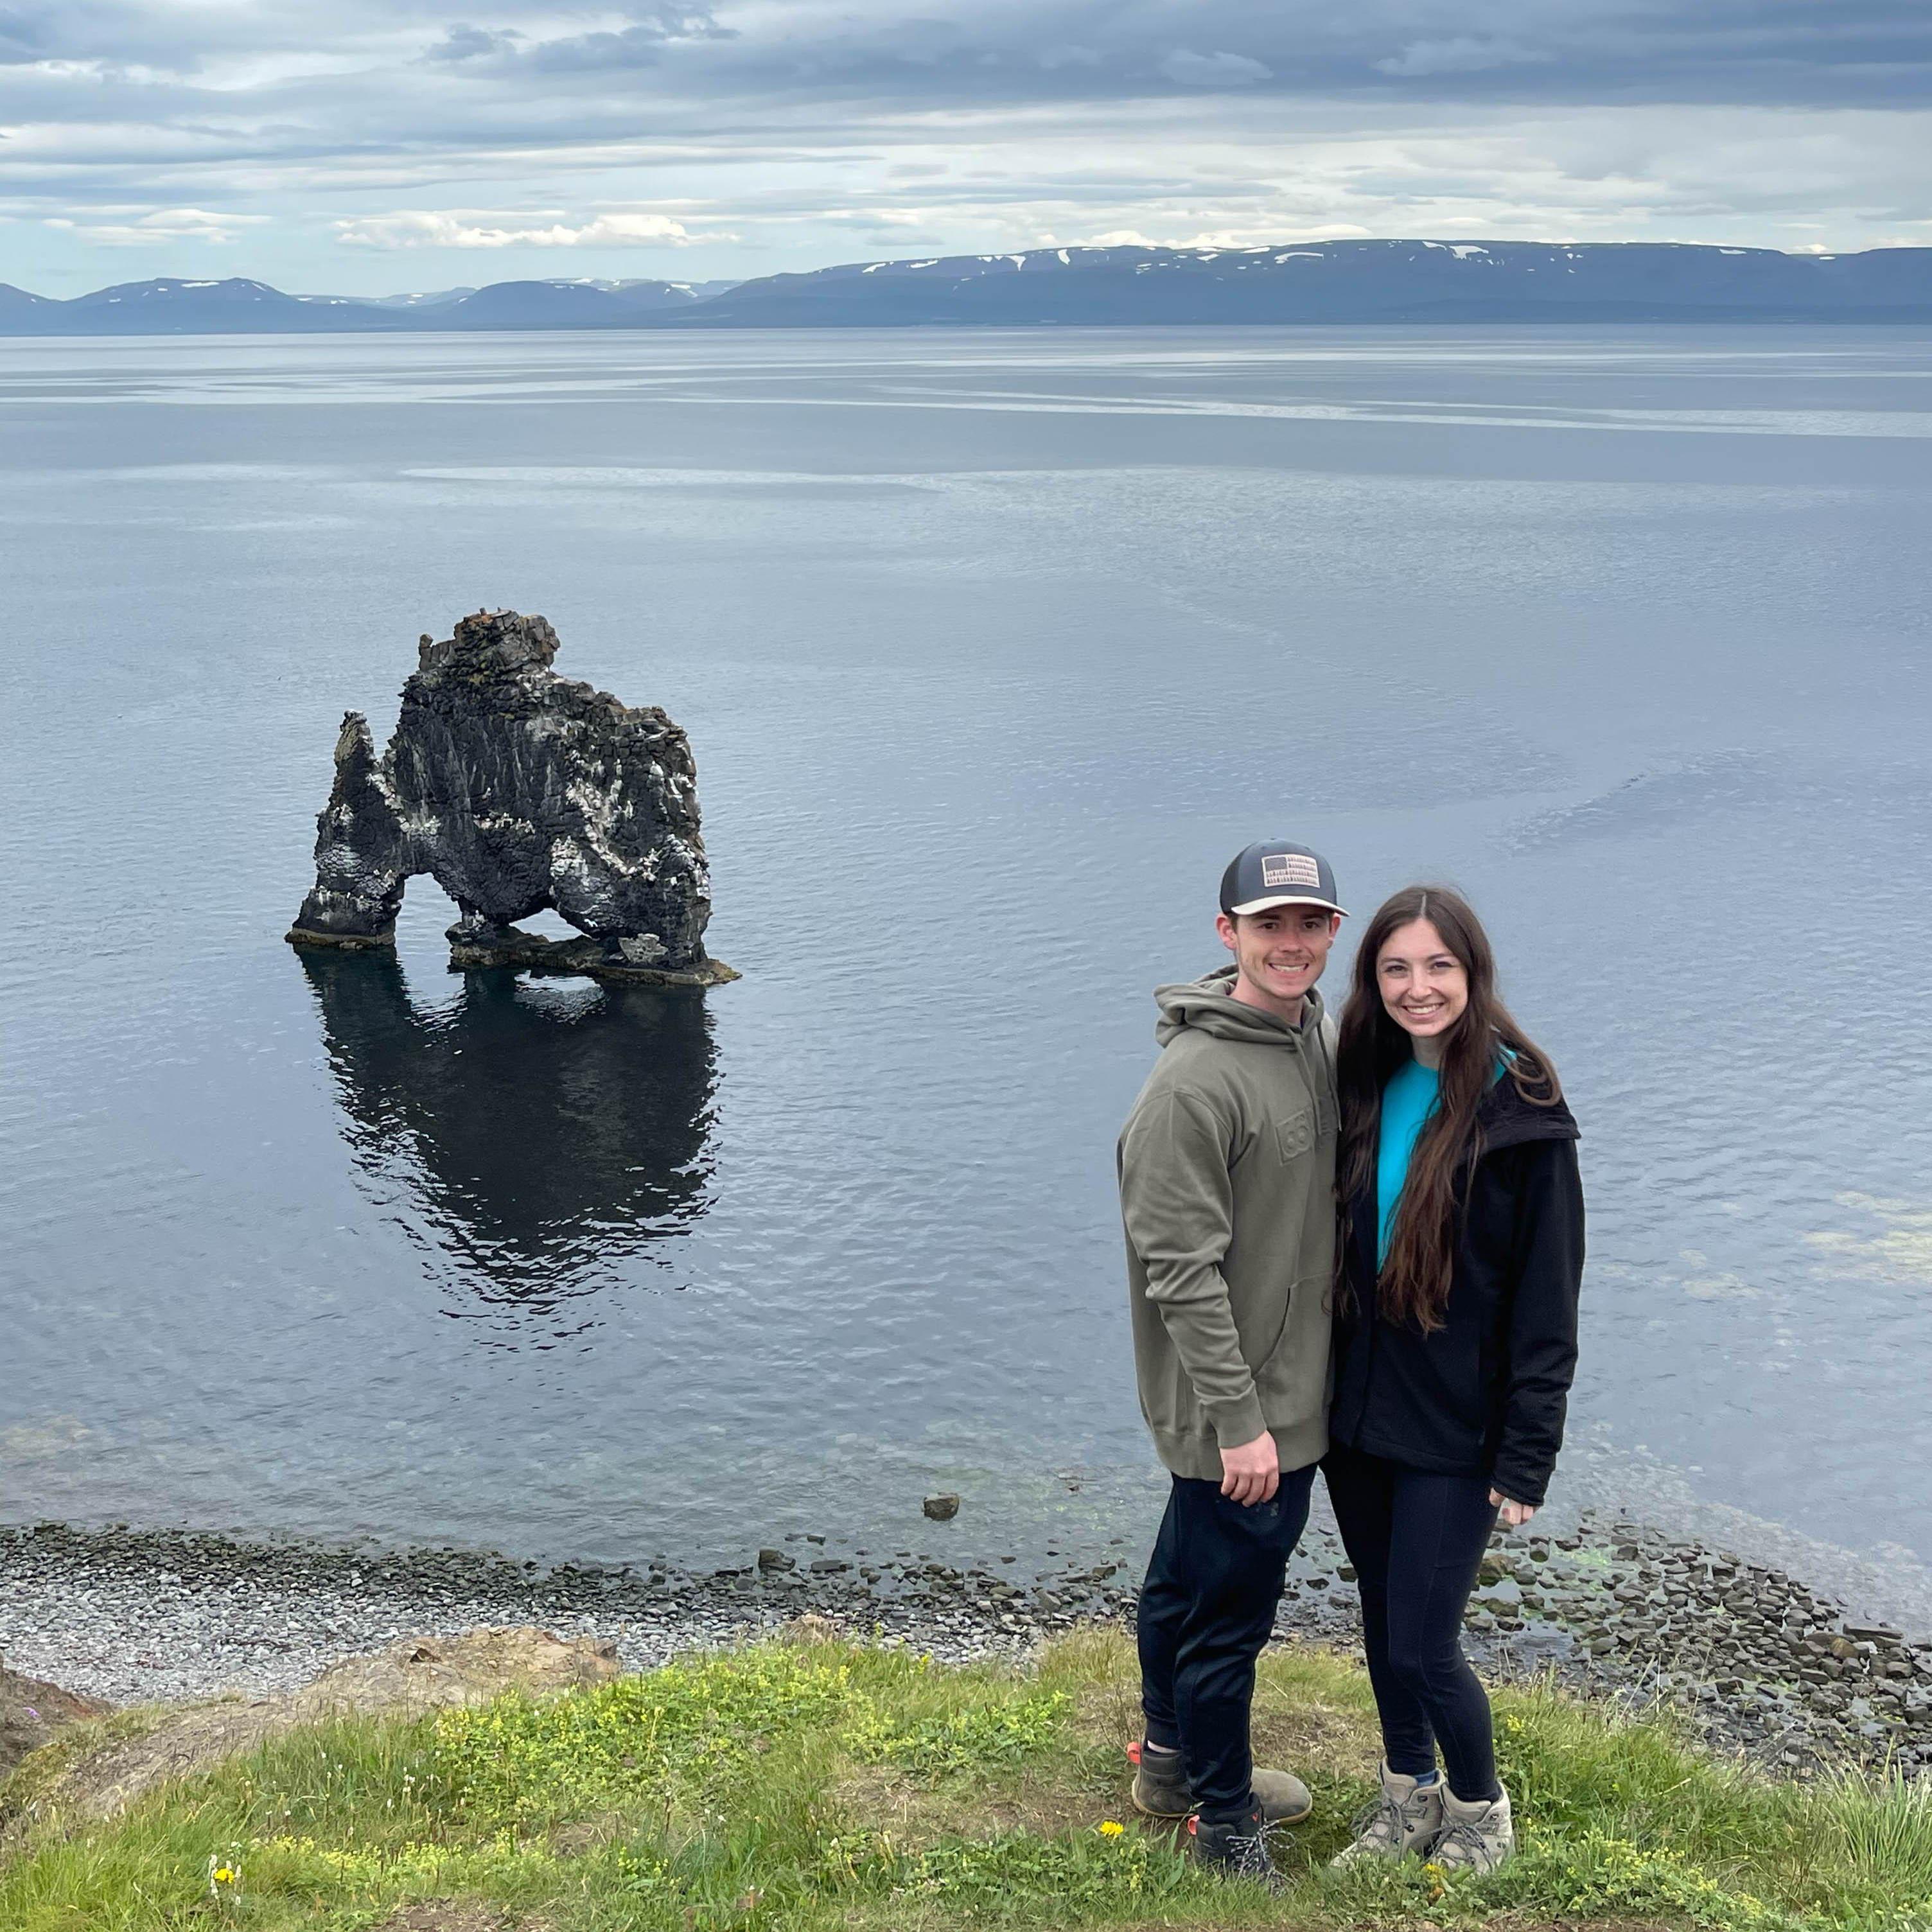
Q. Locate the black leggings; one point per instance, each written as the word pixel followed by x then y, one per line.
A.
pixel 1415 1539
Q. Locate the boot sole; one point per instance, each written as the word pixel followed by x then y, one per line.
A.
pixel 1300 1817
pixel 1174 1817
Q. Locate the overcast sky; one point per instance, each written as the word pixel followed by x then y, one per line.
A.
pixel 374 146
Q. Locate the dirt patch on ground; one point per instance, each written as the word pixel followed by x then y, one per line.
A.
pixel 1295 1735
pixel 1509 1921
pixel 31 1711
pixel 97 1783
pixel 915 1816
pixel 582 1836
pixel 1502 1922
pixel 442 1914
pixel 96 1778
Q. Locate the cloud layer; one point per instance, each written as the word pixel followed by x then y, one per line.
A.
pixel 422 228
pixel 751 136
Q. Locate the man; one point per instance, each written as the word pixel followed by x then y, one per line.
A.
pixel 1227 1168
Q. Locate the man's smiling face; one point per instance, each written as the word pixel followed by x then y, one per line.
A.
pixel 1280 952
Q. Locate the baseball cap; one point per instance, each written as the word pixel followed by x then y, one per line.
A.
pixel 1275 873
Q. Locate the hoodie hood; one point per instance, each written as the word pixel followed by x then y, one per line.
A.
pixel 1208 1005
pixel 1505 1119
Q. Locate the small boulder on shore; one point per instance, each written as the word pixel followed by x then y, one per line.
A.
pixel 426 1673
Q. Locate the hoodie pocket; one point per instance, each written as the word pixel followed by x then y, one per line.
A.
pixel 1292 1379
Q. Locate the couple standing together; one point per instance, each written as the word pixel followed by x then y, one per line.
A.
pixel 1357 1251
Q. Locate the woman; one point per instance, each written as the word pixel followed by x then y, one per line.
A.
pixel 1455 1343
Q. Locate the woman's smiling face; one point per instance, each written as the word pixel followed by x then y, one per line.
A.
pixel 1422 984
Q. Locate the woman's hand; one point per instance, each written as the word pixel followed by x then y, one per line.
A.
pixel 1511 1515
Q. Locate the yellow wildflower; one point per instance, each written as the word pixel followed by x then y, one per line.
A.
pixel 1110 1827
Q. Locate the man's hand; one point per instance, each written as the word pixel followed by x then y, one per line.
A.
pixel 1511 1515
pixel 1252 1473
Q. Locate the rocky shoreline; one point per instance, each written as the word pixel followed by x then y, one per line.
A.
pixel 1752 1660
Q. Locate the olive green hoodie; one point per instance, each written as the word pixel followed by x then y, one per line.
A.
pixel 1227 1167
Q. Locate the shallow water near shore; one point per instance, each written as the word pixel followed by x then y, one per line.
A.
pixel 991 647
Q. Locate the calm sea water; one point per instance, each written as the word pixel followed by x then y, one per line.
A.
pixel 991 647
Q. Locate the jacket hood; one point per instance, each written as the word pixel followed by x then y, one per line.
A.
pixel 1505 1119
pixel 1208 1006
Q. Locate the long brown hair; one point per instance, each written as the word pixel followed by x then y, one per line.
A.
pixel 1413 1286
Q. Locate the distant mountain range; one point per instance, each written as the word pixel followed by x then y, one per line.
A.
pixel 1306 282
pixel 674 292
pixel 169 307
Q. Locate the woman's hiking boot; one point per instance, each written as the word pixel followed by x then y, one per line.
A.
pixel 1236 1847
pixel 1160 1789
pixel 1405 1819
pixel 1475 1837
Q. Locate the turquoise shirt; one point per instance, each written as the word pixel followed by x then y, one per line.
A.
pixel 1408 1101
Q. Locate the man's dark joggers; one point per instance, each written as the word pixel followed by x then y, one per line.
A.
pixel 1416 1539
pixel 1206 1608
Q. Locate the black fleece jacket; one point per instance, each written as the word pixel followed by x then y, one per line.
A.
pixel 1485 1393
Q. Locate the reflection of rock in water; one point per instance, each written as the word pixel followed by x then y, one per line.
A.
pixel 540 1138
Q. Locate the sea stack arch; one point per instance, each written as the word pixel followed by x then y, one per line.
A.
pixel 518 790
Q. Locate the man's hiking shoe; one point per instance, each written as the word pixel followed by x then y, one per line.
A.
pixel 1236 1848
pixel 1406 1819
pixel 1160 1789
pixel 1475 1837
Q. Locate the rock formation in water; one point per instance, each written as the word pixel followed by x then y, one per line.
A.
pixel 516 790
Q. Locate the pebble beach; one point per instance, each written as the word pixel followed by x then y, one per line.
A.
pixel 1751 1660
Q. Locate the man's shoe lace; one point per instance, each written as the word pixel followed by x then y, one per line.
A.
pixel 1247 1854
pixel 1252 1857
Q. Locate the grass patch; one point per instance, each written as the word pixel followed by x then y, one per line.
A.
pixel 40 1770
pixel 799 1787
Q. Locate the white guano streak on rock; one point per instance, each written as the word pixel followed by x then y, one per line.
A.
pixel 600 818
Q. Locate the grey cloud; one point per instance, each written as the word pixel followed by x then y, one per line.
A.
pixel 1461 54
pixel 640 44
pixel 597 53
pixel 21 38
pixel 170 39
pixel 1215 69
pixel 82 32
pixel 464 43
pixel 1764 51
pixel 888 55
pixel 1767 51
